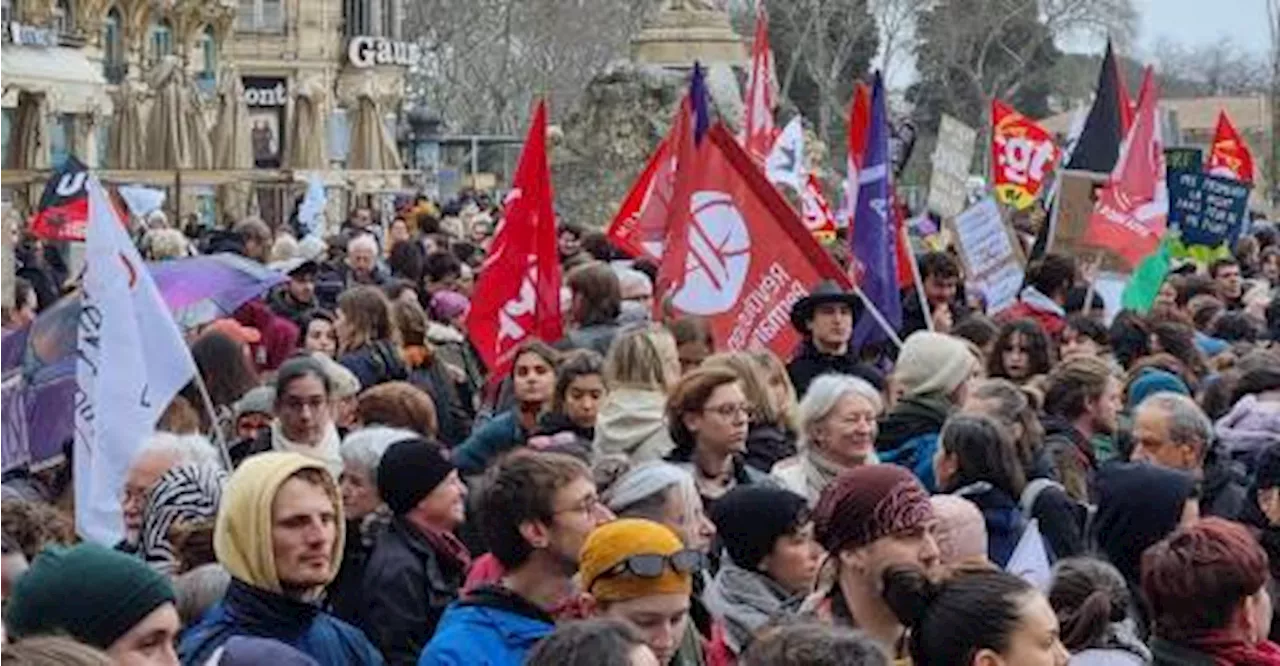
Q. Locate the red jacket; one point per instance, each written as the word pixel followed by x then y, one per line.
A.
pixel 1052 322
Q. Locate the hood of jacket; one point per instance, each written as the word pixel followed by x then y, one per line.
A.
pixel 633 422
pixel 1138 505
pixel 242 533
pixel 912 417
pixel 1249 426
pixel 443 334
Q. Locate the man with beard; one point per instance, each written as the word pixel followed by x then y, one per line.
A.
pixel 1083 400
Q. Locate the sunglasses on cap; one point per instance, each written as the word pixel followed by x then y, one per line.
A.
pixel 652 565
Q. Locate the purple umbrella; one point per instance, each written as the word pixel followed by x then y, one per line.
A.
pixel 201 289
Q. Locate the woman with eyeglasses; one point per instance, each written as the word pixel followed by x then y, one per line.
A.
pixel 708 417
pixel 641 573
pixel 772 434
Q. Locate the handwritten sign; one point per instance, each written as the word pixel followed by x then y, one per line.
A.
pixel 990 252
pixel 951 158
pixel 1207 210
pixel 1183 158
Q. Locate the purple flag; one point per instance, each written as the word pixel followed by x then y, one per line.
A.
pixel 874 251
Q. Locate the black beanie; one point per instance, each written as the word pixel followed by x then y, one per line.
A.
pixel 409 471
pixel 749 519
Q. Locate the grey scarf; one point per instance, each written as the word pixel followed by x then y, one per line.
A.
pixel 747 601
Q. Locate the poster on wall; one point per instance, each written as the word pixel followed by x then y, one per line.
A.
pixel 267 98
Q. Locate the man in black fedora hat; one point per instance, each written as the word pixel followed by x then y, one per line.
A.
pixel 825 318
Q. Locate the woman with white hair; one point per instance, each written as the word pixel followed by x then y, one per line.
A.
pixel 362 507
pixel 837 425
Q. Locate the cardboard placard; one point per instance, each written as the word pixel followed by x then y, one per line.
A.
pixel 991 253
pixel 1076 198
pixel 951 157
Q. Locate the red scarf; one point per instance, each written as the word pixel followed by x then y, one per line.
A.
pixel 449 546
pixel 1229 650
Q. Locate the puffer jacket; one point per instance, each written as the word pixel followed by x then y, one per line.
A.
pixel 491 627
pixel 1248 428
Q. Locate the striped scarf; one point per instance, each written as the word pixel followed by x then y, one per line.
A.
pixel 185 493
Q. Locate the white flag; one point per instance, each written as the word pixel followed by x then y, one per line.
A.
pixel 132 361
pixel 1030 561
pixel 786 161
pixel 311 210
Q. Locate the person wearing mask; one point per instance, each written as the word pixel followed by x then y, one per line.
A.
pixel 594 308
pixel 973 618
pixel 1228 282
pixel 1022 351
pixel 1044 299
pixel 708 416
pixel 1138 505
pixel 976 461
pixel 825 318
pixel 1092 602
pixel 279 534
pixel 365 514
pixel 941 277
pixel 770 437
pixel 872 518
pixel 368 341
pixel 418 564
pixel 1082 400
pixel 161 452
pixel 639 572
pixel 303 417
pixel 639 370
pixel 103 598
pixel 837 433
pixel 1217 611
pixel 772 563
pixel 533 378
pixel 535 514
pixel 580 391
pixel 295 300
pixel 637 296
pixel 933 371
pixel 1172 431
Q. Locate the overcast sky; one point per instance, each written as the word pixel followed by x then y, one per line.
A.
pixel 1193 22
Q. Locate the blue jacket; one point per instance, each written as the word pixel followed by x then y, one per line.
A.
pixel 491 627
pixel 499 435
pixel 249 611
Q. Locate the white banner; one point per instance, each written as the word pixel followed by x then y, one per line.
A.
pixel 951 157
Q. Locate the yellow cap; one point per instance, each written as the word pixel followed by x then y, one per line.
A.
pixel 614 542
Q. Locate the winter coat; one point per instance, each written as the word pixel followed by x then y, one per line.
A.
pixel 279 334
pixel 596 337
pixel 346 591
pixel 1003 518
pixel 453 413
pixel 252 611
pixel 554 423
pixel 375 363
pixel 1062 520
pixel 633 423
pixel 1032 304
pixel 810 363
pixel 908 434
pixel 283 305
pixel 407 588
pixel 767 444
pixel 493 626
pixel 497 436
pixel 746 601
pixel 333 279
pixel 1073 457
pixel 1248 428
pixel 1224 488
pixel 453 348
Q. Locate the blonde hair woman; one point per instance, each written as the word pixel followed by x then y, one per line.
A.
pixel 771 437
pixel 837 433
pixel 640 369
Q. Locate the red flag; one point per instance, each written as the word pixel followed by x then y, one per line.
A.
pixel 640 226
pixel 906 277
pixel 758 130
pixel 1133 207
pixel 859 121
pixel 1127 110
pixel 1230 156
pixel 817 212
pixel 1023 154
pixel 675 247
pixel 749 257
pixel 517 294
pixel 63 213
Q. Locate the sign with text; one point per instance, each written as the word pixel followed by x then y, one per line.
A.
pixel 365 51
pixel 991 254
pixel 951 157
pixel 1183 158
pixel 267 98
pixel 1207 210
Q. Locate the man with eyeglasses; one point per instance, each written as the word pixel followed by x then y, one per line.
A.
pixel 639 572
pixel 303 416
pixel 535 511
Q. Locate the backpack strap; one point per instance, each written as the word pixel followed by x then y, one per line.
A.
pixel 1032 492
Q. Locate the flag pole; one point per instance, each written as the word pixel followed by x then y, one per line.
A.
pixel 219 437
pixel 879 317
pixel 919 284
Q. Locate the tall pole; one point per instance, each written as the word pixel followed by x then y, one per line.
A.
pixel 1273 26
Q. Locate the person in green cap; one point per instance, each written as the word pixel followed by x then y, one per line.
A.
pixel 100 597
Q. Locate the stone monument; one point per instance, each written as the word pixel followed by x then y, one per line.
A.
pixel 684 31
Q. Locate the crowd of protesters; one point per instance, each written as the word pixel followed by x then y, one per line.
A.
pixel 635 493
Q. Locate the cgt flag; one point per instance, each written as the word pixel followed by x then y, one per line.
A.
pixel 64 206
pixel 131 361
pixel 1022 154
pixel 749 257
pixel 518 289
pixel 1230 156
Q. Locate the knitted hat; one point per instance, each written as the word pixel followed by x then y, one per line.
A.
pixel 446 305
pixel 869 502
pixel 612 543
pixel 93 593
pixel 1154 380
pixel 257 400
pixel 409 471
pixel 933 363
pixel 961 531
pixel 749 519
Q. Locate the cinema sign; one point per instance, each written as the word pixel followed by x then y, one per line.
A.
pixel 365 51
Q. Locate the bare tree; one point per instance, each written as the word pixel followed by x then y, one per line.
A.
pixel 1214 68
pixel 898 36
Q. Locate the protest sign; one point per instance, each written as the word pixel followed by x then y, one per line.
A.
pixel 951 157
pixel 1183 158
pixel 1208 211
pixel 991 254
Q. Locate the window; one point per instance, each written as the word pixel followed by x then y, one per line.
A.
pixel 390 19
pixel 260 16
pixel 62 139
pixel 64 18
pixel 207 77
pixel 113 65
pixel 357 18
pixel 161 40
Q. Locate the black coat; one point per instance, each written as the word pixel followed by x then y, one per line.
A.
pixel 375 363
pixel 452 414
pixel 767 443
pixel 407 586
pixel 809 363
